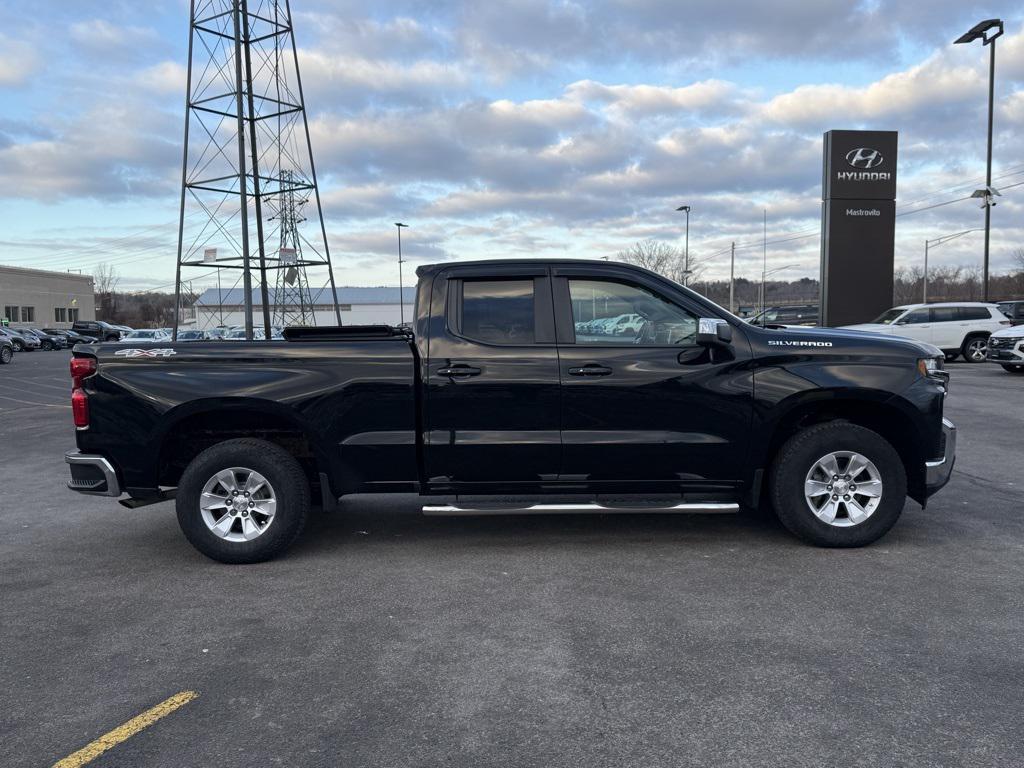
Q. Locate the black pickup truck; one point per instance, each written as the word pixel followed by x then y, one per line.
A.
pixel 523 387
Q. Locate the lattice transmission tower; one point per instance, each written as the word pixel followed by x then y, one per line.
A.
pixel 247 165
pixel 293 304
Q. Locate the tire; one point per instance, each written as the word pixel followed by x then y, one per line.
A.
pixel 799 457
pixel 285 481
pixel 1013 368
pixel 975 349
pixel 46 345
pixel 6 355
pixel 18 346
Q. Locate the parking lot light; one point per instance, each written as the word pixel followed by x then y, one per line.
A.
pixel 987 31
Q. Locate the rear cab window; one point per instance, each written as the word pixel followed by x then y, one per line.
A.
pixel 495 311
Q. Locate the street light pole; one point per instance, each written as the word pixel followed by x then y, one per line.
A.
pixel 401 290
pixel 980 31
pixel 686 251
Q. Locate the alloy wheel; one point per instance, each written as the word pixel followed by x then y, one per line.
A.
pixel 977 349
pixel 843 488
pixel 238 504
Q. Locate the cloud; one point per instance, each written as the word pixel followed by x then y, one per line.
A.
pixel 19 61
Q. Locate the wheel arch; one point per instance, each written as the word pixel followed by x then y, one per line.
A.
pixel 198 424
pixel 884 417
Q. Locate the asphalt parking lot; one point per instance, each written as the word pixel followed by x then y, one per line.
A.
pixel 387 639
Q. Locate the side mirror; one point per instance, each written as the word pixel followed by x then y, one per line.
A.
pixel 712 330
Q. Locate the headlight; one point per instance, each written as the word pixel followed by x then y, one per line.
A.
pixel 929 366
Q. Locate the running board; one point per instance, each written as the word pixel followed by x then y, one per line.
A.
pixel 453 510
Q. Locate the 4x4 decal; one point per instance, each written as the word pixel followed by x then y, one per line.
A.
pixel 145 352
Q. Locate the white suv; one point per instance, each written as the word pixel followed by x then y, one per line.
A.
pixel 957 328
pixel 1006 347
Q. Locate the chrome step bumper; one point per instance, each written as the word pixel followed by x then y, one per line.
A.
pixel 92 475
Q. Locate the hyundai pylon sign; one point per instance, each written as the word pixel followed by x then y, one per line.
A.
pixel 858 225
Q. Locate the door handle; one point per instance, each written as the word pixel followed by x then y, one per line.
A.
pixel 590 370
pixel 459 371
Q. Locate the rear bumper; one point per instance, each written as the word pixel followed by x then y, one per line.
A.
pixel 938 470
pixel 92 475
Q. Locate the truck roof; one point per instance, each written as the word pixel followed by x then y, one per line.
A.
pixel 425 269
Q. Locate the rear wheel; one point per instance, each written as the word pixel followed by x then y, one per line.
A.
pixel 1014 368
pixel 6 355
pixel 243 501
pixel 975 349
pixel 838 485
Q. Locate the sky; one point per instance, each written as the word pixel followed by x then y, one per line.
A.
pixel 523 128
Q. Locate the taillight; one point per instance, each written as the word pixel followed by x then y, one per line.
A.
pixel 81 367
pixel 80 407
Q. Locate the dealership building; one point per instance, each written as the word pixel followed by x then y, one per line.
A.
pixel 359 306
pixel 45 299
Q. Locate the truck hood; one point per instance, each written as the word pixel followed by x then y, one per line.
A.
pixel 872 327
pixel 793 338
pixel 1009 333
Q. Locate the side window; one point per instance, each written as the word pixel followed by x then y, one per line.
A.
pixel 944 314
pixel 974 313
pixel 606 312
pixel 497 311
pixel 915 317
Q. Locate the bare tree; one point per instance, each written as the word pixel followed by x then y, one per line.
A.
pixel 658 256
pixel 105 279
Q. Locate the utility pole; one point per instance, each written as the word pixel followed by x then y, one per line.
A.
pixel 732 278
pixel 924 291
pixel 764 260
pixel 401 291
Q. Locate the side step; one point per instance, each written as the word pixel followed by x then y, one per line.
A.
pixel 588 508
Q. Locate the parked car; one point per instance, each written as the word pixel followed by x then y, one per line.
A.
pixel 957 328
pixel 1006 347
pixel 6 350
pixel 72 337
pixel 193 335
pixel 23 342
pixel 48 341
pixel 1013 310
pixel 493 393
pixel 144 335
pixel 216 334
pixel 97 329
pixel 800 314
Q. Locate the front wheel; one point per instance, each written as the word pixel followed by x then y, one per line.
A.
pixel 975 349
pixel 838 485
pixel 1013 368
pixel 6 355
pixel 243 501
pixel 18 346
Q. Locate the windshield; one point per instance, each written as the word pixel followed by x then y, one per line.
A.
pixel 143 335
pixel 889 316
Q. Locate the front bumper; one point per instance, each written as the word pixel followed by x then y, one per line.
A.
pixel 92 475
pixel 937 471
pixel 1006 355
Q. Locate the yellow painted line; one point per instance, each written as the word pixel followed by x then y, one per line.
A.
pixel 91 751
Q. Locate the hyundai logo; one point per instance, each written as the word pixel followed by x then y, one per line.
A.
pixel 864 158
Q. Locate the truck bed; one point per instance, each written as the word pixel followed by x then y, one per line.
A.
pixel 352 391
